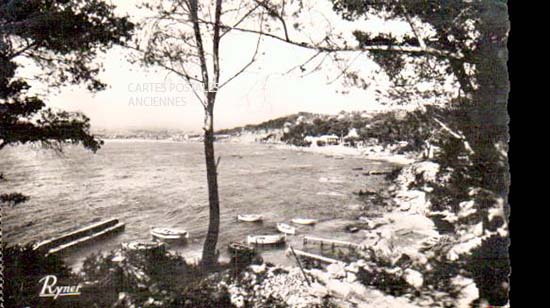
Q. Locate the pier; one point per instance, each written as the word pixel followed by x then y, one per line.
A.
pixel 331 243
pixel 80 236
pixel 314 257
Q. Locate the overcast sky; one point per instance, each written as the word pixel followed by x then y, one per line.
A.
pixel 137 97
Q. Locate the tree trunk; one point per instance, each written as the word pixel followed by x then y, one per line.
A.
pixel 209 254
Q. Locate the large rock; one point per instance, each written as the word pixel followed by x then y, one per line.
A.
pixel 317 289
pixel 258 269
pixel 353 268
pixel 468 291
pixel 351 277
pixel 414 278
pixel 237 300
pixel 338 288
pixel 320 275
pixel 336 270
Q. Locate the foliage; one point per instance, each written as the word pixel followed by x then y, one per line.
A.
pixel 150 278
pixel 268 125
pixel 60 37
pixel 388 128
pixel 463 47
pixel 23 269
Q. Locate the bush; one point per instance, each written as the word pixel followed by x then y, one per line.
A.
pixel 23 269
pixel 158 279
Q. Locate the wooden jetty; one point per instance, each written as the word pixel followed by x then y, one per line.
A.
pixel 319 258
pixel 80 236
pixel 330 243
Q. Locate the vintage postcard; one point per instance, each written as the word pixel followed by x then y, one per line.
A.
pixel 254 153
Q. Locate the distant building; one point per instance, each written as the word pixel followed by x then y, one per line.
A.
pixel 322 140
pixel 330 139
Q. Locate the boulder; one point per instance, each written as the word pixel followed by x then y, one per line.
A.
pixel 258 269
pixel 352 268
pixel 320 275
pixel 351 277
pixel 414 278
pixel 237 300
pixel 336 270
pixel 318 290
pixel 359 291
pixel 361 262
pixel 338 288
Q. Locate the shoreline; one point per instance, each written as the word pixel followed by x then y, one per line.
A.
pixel 370 153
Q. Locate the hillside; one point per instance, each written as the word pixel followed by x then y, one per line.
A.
pixel 355 129
pixel 266 126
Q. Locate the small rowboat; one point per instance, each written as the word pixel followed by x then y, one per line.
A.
pixel 304 221
pixel 266 239
pixel 286 229
pixel 239 248
pixel 169 233
pixel 250 218
pixel 142 245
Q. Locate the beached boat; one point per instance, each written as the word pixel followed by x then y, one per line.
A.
pixel 142 245
pixel 169 233
pixel 249 217
pixel 266 239
pixel 286 229
pixel 239 248
pixel 304 221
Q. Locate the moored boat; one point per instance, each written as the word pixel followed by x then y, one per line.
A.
pixel 239 248
pixel 142 245
pixel 250 217
pixel 169 233
pixel 351 229
pixel 266 239
pixel 304 221
pixel 286 229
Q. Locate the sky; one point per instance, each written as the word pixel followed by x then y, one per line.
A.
pixel 152 98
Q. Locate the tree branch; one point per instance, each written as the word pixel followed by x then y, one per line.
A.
pixel 273 12
pixel 241 19
pixel 246 66
pixel 330 48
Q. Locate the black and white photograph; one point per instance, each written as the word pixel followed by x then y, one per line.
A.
pixel 254 153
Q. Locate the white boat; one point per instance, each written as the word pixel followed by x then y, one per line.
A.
pixel 240 248
pixel 266 239
pixel 304 221
pixel 284 228
pixel 250 217
pixel 142 245
pixel 169 233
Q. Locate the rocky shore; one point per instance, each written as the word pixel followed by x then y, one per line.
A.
pixel 400 264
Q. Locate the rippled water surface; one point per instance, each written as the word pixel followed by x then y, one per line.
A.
pixel 164 184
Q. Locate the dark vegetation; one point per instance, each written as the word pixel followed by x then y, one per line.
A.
pixel 118 279
pixel 121 278
pixel 62 38
pixel 388 128
pixel 265 126
pixel 23 267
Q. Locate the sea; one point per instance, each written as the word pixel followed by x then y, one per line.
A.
pixel 152 183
